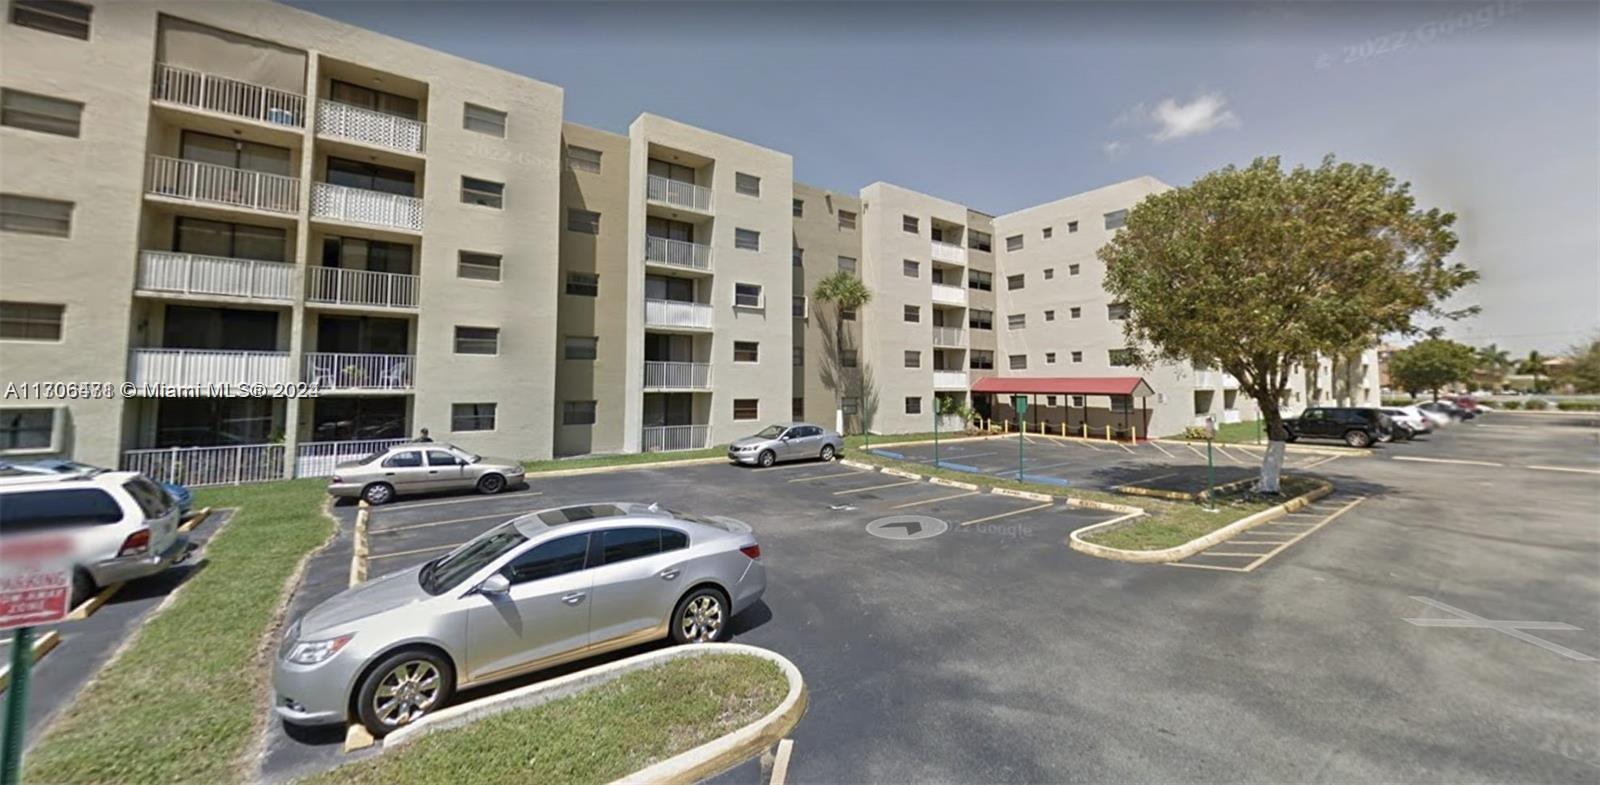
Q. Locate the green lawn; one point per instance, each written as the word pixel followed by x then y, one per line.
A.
pixel 184 702
pixel 595 736
pixel 1236 433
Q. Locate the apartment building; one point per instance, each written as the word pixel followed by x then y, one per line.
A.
pixel 827 344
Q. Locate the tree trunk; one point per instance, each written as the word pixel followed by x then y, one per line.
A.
pixel 1277 437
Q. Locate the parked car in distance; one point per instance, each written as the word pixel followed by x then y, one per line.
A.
pixel 1468 403
pixel 1436 419
pixel 792 442
pixel 180 495
pixel 1407 424
pixel 122 525
pixel 1448 409
pixel 421 467
pixel 1355 427
pixel 539 590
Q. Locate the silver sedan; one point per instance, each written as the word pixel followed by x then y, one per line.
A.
pixel 539 590
pixel 792 442
pixel 422 467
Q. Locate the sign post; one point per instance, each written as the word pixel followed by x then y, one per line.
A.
pixel 35 588
pixel 936 432
pixel 1020 404
pixel 1211 474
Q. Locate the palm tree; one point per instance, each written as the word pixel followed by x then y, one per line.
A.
pixel 846 293
pixel 1493 362
pixel 1534 365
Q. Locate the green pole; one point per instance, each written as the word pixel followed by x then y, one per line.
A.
pixel 1211 480
pixel 16 706
pixel 935 431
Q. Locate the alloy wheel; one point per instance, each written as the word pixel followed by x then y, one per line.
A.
pixel 702 619
pixel 406 693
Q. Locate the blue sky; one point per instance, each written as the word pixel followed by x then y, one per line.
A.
pixel 1490 109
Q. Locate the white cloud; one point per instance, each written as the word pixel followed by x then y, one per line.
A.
pixel 1114 149
pixel 1206 112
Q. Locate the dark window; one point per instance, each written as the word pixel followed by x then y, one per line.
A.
pixel 57 509
pixel 1014 242
pixel 747 184
pixel 1049 273
pixel 673 540
pixel 40 113
pixel 53 16
pixel 27 429
pixel 403 459
pixel 578 412
pixel 29 215
pixel 1117 311
pixel 630 543
pixel 442 458
pixel 472 416
pixel 477 340
pixel 799 208
pixel 746 409
pixel 581 347
pixel 847 358
pixel 911 269
pixel 980 280
pixel 376 100
pixel 747 239
pixel 913 313
pixel 480 266
pixel 191 327
pixel 583 284
pixel 746 351
pixel 369 177
pixel 557 557
pixel 30 321
pixel 1019 362
pixel 152 500
pixel 245 241
pixel 980 319
pixel 978 241
pixel 913 358
pixel 913 405
pixel 910 223
pixel 489 194
pixel 1047 232
pixel 1116 219
pixel 583 221
pixel 1072 227
pixel 1016 281
pixel 1073 269
pixel 583 159
pixel 982 361
pixel 847 219
pixel 484 120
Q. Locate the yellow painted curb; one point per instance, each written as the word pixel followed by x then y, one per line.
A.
pixel 1038 497
pixel 529 476
pixel 87 608
pixel 42 645
pixel 1177 553
pixel 358 545
pixel 195 520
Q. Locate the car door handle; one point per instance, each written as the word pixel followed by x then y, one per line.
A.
pixel 573 598
pixel 669 573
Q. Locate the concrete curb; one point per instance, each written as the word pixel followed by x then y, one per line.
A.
pixel 857 465
pixel 1092 504
pixel 1076 542
pixel 687 767
pixel 1038 497
pixel 624 467
pixel 1348 452
pixel 900 473
pixel 965 486
pixel 1180 496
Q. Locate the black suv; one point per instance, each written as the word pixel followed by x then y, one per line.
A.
pixel 1357 427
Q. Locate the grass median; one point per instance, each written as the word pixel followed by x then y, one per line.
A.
pixel 595 736
pixel 182 703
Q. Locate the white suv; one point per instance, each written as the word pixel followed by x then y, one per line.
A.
pixel 123 526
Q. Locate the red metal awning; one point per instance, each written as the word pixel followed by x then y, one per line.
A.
pixel 1064 385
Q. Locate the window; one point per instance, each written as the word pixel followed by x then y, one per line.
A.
pixel 40 113
pixel 1016 281
pixel 747 239
pixel 910 223
pixel 1019 362
pixel 847 219
pixel 1122 404
pixel 798 257
pixel 847 358
pixel 1014 242
pixel 1115 219
pixel 978 241
pixel 746 408
pixel 1046 232
pixel 797 408
pixel 1077 357
pixel 478 266
pixel 980 280
pixel 376 100
pixel 1116 311
pixel 581 347
pixel 747 295
pixel 582 159
pixel 847 264
pixel 30 321
pixel 911 269
pixel 801 306
pixel 1072 227
pixel 1121 357
pixel 850 405
pixel 799 208
pixel 848 314
pixel 1049 273
pixel 618 545
pixel 556 557
pixel 28 215
pixel 913 313
pixel 799 356
pixel 403 460
pixel 27 429
pixel 1077 401
pixel 442 458
pixel 583 284
pixel 913 405
pixel 1049 316
pixel 746 351
pixel 489 194
pixel 913 359
pixel 477 340
pixel 472 416
pixel 1072 269
pixel 577 412
pixel 1016 321
pixel 485 121
pixel 982 360
pixel 53 16
pixel 583 221
pixel 1049 400
pixel 747 184
pixel 341 171
pixel 980 319
pixel 1050 359
pixel 1075 312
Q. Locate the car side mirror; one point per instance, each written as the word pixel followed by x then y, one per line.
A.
pixel 785 437
pixel 495 585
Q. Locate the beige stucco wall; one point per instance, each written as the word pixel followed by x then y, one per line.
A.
pixel 822 241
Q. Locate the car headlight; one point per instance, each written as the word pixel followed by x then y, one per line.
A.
pixel 313 652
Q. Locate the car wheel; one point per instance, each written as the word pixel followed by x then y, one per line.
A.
pixel 1358 439
pixel 767 458
pixel 405 686
pixel 378 493
pixel 1290 437
pixel 491 484
pixel 83 587
pixel 701 617
pixel 827 452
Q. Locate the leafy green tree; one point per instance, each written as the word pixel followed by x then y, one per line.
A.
pixel 1431 365
pixel 1534 365
pixel 1583 372
pixel 1493 364
pixel 1255 270
pixel 845 293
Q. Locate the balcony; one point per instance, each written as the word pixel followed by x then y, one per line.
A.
pixel 677 253
pixel 366 288
pixel 367 126
pixel 666 438
pixel 220 368
pixel 194 274
pixel 949 252
pixel 212 93
pixel 677 193
pixel 949 380
pixel 660 375
pixel 230 465
pixel 193 181
pixel 677 314
pixel 949 336
pixel 359 372
pixel 361 206
pixel 945 294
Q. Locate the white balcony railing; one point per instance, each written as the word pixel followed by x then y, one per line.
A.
pixel 230 465
pixel 665 438
pixel 318 459
pixel 228 96
pixel 194 181
pixel 677 313
pixel 949 336
pixel 950 380
pixel 364 125
pixel 359 205
pixel 676 375
pixel 945 294
pixel 340 286
pixel 949 252
pixel 187 273
pixel 678 193
pixel 1230 415
pixel 677 253
pixel 218 367
pixel 349 371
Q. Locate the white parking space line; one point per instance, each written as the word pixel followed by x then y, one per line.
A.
pixel 1445 460
pixel 934 499
pixel 780 764
pixel 408 527
pixel 1193 566
pixel 1573 469
pixel 1227 454
pixel 1007 514
pixel 414 552
pixel 1195 450
pixel 1316 463
pixel 1304 534
pixel 462 500
pixel 1162 449
pixel 877 487
pixel 830 474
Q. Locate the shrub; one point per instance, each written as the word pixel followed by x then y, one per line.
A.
pixel 1510 404
pixel 1579 406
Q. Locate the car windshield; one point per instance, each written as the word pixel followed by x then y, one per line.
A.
pixel 771 432
pixel 445 573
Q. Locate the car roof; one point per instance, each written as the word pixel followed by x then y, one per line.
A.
pixel 31 481
pixel 579 518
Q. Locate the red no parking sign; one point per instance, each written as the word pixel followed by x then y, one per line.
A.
pixel 35 580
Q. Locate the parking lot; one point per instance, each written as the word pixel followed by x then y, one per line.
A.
pixel 991 652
